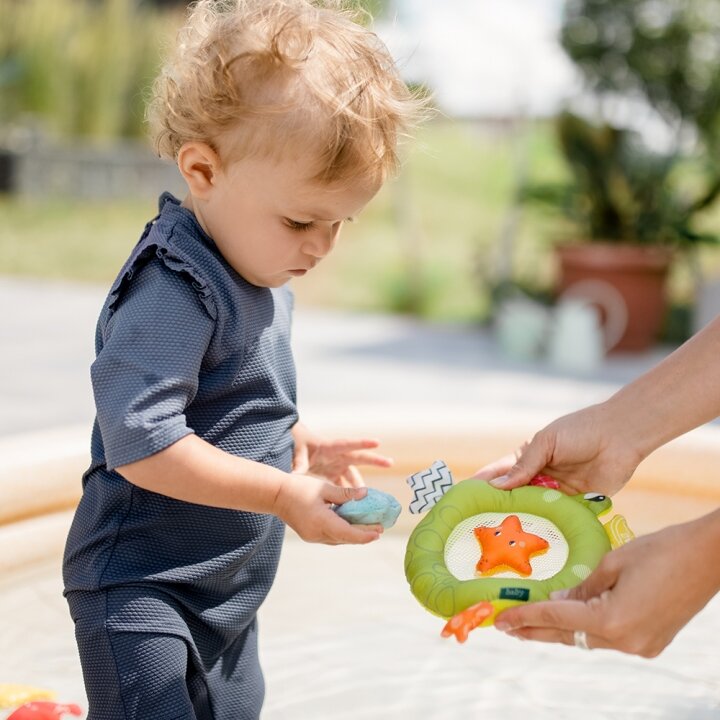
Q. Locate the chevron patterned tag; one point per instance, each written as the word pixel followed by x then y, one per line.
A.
pixel 429 486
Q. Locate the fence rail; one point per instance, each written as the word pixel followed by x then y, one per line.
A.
pixel 127 170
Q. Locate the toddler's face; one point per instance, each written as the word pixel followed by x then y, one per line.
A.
pixel 270 223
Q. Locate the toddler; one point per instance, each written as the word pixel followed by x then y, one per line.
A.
pixel 283 117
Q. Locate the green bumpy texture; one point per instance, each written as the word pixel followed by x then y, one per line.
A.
pixel 444 595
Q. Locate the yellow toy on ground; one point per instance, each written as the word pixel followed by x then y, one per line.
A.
pixel 32 703
pixel 13 694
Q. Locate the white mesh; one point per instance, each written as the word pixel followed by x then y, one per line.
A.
pixel 462 549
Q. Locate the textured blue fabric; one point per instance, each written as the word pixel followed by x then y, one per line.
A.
pixel 184 345
pixel 159 676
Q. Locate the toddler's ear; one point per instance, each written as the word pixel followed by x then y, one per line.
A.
pixel 198 164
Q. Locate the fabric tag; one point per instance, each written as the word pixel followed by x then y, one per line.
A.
pixel 429 486
pixel 514 593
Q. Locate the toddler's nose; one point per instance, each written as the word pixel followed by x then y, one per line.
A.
pixel 322 241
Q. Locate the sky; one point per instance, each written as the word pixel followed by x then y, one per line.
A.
pixel 489 58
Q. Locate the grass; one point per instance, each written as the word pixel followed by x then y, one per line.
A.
pixel 69 239
pixel 427 244
pixel 423 245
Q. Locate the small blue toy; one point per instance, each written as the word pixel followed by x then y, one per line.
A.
pixel 376 507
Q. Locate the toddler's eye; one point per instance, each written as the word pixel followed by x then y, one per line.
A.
pixel 299 226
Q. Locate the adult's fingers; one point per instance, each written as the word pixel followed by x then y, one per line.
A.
pixel 583 607
pixel 496 469
pixel 553 635
pixel 594 587
pixel 559 616
pixel 554 621
pixel 532 460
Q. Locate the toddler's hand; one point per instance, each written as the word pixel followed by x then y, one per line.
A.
pixel 335 460
pixel 305 504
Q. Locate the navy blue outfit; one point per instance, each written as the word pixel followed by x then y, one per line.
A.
pixel 164 593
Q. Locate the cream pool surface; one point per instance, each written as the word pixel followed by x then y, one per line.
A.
pixel 342 638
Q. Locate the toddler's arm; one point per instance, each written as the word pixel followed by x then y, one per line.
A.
pixel 144 377
pixel 195 471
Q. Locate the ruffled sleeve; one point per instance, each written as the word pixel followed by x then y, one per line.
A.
pixel 148 364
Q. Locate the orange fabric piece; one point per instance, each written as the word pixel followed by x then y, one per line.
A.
pixel 461 624
pixel 507 546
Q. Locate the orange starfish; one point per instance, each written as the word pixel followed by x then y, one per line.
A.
pixel 507 546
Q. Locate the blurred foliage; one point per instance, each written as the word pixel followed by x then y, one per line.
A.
pixel 81 67
pixel 664 51
pixel 620 190
pixel 663 55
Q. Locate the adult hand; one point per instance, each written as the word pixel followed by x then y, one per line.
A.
pixel 585 451
pixel 637 599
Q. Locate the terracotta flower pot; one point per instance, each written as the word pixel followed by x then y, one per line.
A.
pixel 632 275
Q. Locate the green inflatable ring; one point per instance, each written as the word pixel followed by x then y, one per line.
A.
pixel 445 595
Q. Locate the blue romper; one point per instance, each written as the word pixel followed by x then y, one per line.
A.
pixel 164 593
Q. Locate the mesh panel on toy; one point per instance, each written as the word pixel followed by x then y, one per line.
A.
pixel 462 550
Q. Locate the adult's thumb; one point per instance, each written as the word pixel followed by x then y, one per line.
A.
pixel 533 458
pixel 593 586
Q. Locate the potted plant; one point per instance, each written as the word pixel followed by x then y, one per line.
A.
pixel 635 207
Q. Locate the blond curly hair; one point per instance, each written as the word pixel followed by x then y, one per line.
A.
pixel 271 77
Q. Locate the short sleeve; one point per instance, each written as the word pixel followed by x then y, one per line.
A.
pixel 147 369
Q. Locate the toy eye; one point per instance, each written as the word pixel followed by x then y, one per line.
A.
pixel 512 543
pixel 498 532
pixel 594 497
